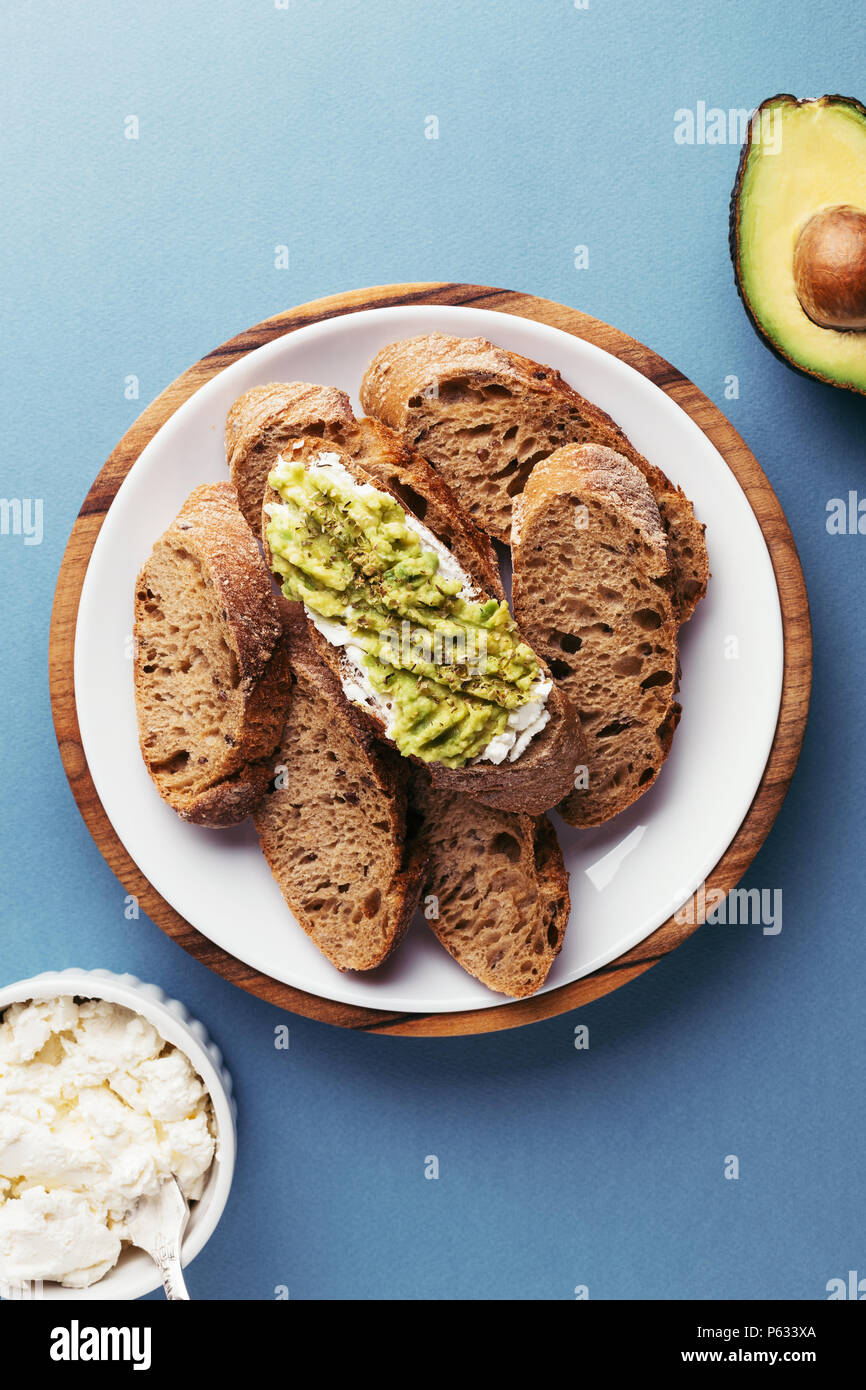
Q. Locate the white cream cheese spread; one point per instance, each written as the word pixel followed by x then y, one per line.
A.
pixel 96 1110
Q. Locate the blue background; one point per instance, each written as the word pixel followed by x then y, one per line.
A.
pixel 304 126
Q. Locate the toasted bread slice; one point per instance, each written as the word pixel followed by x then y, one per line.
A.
pixel 484 417
pixel 264 420
pixel 211 670
pixel 592 592
pixel 537 779
pixel 499 889
pixel 333 825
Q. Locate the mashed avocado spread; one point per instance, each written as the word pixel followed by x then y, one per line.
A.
pixel 451 676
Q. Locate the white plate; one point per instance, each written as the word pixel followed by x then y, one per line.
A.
pixel 626 877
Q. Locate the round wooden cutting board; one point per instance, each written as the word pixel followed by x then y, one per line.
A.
pixel 777 774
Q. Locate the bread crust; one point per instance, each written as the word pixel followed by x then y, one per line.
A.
pixel 538 779
pixel 230 801
pixel 260 419
pixel 210 528
pixel 552 883
pixel 402 374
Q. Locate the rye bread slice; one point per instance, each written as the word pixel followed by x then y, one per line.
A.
pixel 263 421
pixel 499 887
pixel 333 824
pixel 484 417
pixel 539 777
pixel 591 590
pixel 210 670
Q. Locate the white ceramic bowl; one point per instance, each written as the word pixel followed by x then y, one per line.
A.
pixel 135 1273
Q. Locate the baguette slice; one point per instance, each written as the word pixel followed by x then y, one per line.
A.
pixel 538 778
pixel 500 886
pixel 333 826
pixel 484 417
pixel 211 671
pixel 263 421
pixel 591 591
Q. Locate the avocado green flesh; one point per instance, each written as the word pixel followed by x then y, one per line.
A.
pixel 812 156
pixel 450 669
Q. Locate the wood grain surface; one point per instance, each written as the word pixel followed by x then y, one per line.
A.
pixel 789 730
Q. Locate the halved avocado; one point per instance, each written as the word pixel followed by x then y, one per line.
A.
pixel 800 196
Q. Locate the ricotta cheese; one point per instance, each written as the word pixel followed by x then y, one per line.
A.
pixel 96 1110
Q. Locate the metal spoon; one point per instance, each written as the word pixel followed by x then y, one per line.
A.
pixel 156 1224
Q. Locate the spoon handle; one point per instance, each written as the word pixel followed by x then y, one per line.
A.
pixel 167 1257
pixel 156 1224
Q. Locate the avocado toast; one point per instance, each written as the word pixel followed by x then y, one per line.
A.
pixel 436 664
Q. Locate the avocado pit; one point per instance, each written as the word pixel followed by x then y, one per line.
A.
pixel 830 268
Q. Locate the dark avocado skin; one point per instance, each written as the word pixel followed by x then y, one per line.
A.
pixel 734 227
